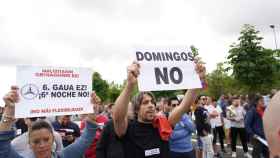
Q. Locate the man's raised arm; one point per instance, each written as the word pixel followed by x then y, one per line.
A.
pixel 184 106
pixel 189 97
pixel 121 105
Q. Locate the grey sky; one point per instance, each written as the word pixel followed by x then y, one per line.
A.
pixel 101 34
pixel 227 16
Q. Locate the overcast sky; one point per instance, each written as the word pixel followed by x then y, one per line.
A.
pixel 100 33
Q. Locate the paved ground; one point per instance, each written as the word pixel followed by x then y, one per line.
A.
pixel 240 153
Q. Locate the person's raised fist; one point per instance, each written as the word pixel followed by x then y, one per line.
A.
pixel 200 68
pixel 132 73
pixel 11 97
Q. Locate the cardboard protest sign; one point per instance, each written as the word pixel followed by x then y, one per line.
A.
pixel 50 91
pixel 166 69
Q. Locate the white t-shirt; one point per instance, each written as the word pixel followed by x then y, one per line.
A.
pixel 215 122
pixel 236 116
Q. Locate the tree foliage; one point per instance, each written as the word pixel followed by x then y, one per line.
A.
pixel 252 65
pixel 220 82
pixel 194 50
pixel 114 92
pixel 100 86
pixel 167 94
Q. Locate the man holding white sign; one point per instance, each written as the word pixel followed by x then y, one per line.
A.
pixel 166 69
pixel 141 138
pixel 50 91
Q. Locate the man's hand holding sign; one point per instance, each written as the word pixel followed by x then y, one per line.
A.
pixel 166 69
pixel 172 71
pixel 142 72
pixel 148 127
pixel 51 91
pixel 12 98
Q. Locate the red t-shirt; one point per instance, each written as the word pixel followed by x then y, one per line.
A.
pixel 100 120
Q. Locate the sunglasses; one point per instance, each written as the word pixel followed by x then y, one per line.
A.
pixel 174 105
pixel 33 119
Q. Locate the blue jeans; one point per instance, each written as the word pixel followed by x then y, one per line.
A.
pixel 190 154
pixel 199 143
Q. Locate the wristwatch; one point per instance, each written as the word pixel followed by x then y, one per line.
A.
pixel 6 119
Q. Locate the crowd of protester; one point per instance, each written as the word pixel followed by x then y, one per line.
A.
pixel 189 127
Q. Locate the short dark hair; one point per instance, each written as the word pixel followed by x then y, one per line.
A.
pixel 164 99
pixel 226 97
pixel 172 98
pixel 40 124
pixel 256 99
pixel 235 97
pixel 202 95
pixel 33 119
pixel 214 99
pixel 110 105
pixel 137 100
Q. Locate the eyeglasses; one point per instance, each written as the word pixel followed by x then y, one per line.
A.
pixel 174 105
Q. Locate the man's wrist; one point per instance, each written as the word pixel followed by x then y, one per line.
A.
pixel 9 110
pixel 9 105
pixel 130 85
pixel 7 119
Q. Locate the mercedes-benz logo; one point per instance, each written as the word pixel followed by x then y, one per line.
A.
pixel 29 91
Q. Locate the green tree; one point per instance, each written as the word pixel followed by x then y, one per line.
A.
pixel 156 93
pixel 194 50
pixel 221 82
pixel 275 84
pixel 135 89
pixel 252 65
pixel 100 86
pixel 114 92
pixel 216 81
pixel 166 94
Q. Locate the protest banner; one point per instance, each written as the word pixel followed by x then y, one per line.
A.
pixel 166 69
pixel 51 91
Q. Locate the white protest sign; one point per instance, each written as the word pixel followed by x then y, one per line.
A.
pixel 51 91
pixel 166 69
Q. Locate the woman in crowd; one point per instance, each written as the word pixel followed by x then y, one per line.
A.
pixel 41 134
pixel 236 115
pixel 180 142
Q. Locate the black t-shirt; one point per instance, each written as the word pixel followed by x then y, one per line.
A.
pixel 20 124
pixel 202 121
pixel 143 140
pixel 109 145
pixel 70 129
